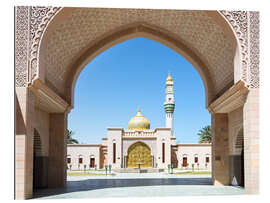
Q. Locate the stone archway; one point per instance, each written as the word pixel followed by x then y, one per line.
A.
pixel 139 152
pixel 54 44
pixel 237 171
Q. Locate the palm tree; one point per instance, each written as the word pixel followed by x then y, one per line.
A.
pixel 205 134
pixel 71 140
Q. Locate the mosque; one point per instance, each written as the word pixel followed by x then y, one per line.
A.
pixel 139 146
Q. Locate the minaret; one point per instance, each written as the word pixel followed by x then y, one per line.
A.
pixel 169 102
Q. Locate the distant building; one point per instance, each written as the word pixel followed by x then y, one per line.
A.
pixel 140 146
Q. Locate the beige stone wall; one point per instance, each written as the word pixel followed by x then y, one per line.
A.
pixel 251 141
pixel 85 151
pixel 191 150
pixel 220 149
pixel 25 117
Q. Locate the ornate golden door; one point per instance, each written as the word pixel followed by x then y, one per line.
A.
pixel 139 152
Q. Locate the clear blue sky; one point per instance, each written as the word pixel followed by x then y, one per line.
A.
pixel 132 74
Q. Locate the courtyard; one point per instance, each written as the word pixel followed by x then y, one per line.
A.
pixel 56 46
pixel 137 185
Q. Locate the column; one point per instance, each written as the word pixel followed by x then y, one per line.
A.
pixel 25 114
pixel 57 150
pixel 251 141
pixel 220 149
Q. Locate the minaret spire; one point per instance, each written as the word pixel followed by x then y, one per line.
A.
pixel 169 102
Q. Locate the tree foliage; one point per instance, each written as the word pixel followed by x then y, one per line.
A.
pixel 71 140
pixel 205 134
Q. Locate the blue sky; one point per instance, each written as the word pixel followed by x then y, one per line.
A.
pixel 132 74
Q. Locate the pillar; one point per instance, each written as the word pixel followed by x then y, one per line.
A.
pixel 57 150
pixel 251 141
pixel 220 149
pixel 25 113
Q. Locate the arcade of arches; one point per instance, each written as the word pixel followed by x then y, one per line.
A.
pixel 53 44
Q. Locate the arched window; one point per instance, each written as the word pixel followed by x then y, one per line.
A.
pixel 80 159
pixel 68 159
pixel 163 151
pixel 92 161
pixel 196 160
pixel 114 151
pixel 207 158
pixel 185 160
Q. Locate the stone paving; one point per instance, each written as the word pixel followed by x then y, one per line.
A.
pixel 137 185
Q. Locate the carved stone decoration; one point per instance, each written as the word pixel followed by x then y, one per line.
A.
pixel 37 14
pixel 254 50
pixel 40 18
pixel 239 22
pixel 21 45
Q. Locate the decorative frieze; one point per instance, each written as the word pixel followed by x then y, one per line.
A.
pixel 40 18
pixel 254 50
pixel 239 22
pixel 21 45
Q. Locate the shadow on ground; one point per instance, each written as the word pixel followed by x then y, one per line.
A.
pixel 95 184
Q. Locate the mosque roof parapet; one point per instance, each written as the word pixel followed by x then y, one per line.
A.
pixel 115 128
pixel 139 133
pixel 83 145
pixel 195 144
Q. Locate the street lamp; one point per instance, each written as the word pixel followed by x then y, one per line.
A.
pixel 106 168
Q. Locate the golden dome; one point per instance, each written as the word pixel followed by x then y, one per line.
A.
pixel 169 78
pixel 138 122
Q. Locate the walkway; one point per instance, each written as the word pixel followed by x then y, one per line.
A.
pixel 137 185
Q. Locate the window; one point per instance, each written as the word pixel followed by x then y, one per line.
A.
pixel 114 153
pixel 207 159
pixel 80 160
pixel 92 162
pixel 68 160
pixel 163 152
pixel 196 159
pixel 184 161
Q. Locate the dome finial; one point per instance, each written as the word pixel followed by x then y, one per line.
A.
pixel 169 78
pixel 139 110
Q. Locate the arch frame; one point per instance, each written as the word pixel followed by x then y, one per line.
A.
pixel 139 29
pixel 126 32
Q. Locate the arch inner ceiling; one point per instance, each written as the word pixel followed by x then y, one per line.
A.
pixel 73 31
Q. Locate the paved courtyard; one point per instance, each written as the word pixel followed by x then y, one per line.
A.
pixel 137 185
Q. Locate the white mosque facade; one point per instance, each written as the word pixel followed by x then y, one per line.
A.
pixel 141 147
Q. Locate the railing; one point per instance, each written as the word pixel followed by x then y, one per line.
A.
pixel 139 134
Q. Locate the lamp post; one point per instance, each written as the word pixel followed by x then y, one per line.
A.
pixel 110 168
pixel 172 168
pixel 106 168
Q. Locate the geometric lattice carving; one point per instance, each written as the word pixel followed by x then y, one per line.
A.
pixel 21 45
pixel 254 33
pixel 239 22
pixel 40 18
